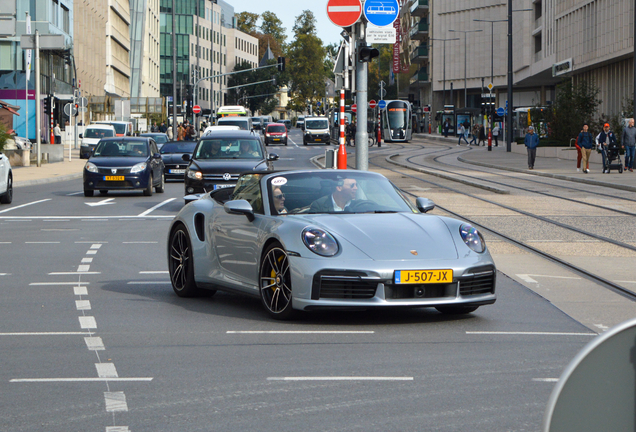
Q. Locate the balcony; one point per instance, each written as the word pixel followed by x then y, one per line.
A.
pixel 420 31
pixel 419 8
pixel 419 54
pixel 420 78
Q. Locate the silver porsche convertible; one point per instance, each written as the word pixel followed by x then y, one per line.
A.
pixel 310 240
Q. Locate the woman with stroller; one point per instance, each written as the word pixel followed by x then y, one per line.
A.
pixel 604 140
pixel 584 141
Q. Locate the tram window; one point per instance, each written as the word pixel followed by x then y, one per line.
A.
pixel 398 117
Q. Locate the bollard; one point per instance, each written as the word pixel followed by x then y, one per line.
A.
pixel 490 140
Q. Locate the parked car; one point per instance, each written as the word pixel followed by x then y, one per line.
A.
pixel 300 122
pixel 123 164
pixel 91 136
pixel 275 133
pixel 172 154
pixel 316 130
pixel 6 180
pixel 219 159
pixel 159 137
pixel 326 239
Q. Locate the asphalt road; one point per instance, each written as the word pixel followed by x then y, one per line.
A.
pixel 114 349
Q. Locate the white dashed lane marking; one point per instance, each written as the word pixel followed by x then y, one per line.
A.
pixel 115 402
pixel 94 343
pixel 106 370
pixel 87 322
pixel 80 290
pixel 87 260
pixel 298 332
pixel 58 283
pixel 24 205
pixel 83 304
pixel 54 380
pixel 341 378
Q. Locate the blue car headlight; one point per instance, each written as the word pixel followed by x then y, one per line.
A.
pixel 472 238
pixel 140 167
pixel 91 167
pixel 320 242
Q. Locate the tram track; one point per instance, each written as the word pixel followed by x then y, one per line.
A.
pixel 578 270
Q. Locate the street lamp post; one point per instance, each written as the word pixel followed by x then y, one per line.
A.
pixel 444 68
pixel 465 52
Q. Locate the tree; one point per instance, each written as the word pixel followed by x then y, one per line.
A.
pixel 305 24
pixel 574 106
pixel 273 26
pixel 306 70
pixel 258 97
pixel 246 22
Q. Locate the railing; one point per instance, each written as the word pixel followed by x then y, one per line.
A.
pixel 418 3
pixel 420 51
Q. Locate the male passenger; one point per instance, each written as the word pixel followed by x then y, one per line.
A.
pixel 337 201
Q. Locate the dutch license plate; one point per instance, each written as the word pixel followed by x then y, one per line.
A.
pixel 276 139
pixel 177 171
pixel 113 178
pixel 223 186
pixel 318 139
pixel 423 276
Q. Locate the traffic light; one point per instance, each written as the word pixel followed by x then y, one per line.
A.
pixel 367 53
pixel 47 105
pixel 76 109
pixel 281 64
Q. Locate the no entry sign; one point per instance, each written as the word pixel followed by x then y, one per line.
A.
pixel 344 13
pixel 354 107
pixel 196 109
pixel 372 104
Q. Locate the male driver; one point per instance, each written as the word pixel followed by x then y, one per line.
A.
pixel 337 201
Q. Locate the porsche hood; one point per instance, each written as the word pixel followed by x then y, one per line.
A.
pixel 395 236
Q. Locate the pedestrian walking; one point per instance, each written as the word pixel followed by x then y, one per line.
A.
pixel 475 135
pixel 532 142
pixel 463 133
pixel 603 140
pixel 169 132
pixel 57 134
pixel 586 144
pixel 180 132
pixel 154 127
pixel 482 135
pixel 495 134
pixel 445 128
pixel 163 128
pixel 628 140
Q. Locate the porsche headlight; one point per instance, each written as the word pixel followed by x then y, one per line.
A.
pixel 138 168
pixel 472 238
pixel 197 175
pixel 91 167
pixel 320 242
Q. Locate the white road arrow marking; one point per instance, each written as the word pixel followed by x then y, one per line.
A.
pixel 101 203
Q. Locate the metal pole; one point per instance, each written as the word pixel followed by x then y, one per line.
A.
pixel 465 73
pixel 38 102
pixel 195 90
pixel 174 72
pixel 362 136
pixel 444 78
pixel 510 105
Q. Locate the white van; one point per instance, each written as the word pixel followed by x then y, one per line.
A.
pixel 245 123
pixel 91 136
pixel 122 128
pixel 316 130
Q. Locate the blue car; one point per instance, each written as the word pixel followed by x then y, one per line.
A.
pixel 124 163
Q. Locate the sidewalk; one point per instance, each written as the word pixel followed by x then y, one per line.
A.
pixel 50 172
pixel 553 167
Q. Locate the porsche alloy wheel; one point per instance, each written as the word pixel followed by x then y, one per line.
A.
pixel 275 283
pixel 180 264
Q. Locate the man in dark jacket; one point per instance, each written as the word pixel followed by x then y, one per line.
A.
pixel 603 140
pixel 337 201
pixel 628 141
pixel 586 143
pixel 532 142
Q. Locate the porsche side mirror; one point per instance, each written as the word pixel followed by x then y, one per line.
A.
pixel 186 157
pixel 272 157
pixel 424 205
pixel 240 207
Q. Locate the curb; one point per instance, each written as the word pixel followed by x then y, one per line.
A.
pixel 550 175
pixel 48 180
pixel 448 177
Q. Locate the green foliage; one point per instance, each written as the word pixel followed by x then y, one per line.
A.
pixel 305 64
pixel 254 97
pixel 573 107
pixel 272 25
pixel 305 24
pixel 246 21
pixel 4 136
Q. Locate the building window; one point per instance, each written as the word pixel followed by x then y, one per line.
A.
pixel 54 12
pixel 537 43
pixel 66 23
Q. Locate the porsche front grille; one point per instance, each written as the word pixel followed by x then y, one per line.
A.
pixel 480 280
pixel 343 285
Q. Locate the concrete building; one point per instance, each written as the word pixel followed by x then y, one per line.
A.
pixel 90 49
pixel 208 44
pixel 118 49
pixel 552 39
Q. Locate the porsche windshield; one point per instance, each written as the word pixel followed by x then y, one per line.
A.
pixel 228 148
pixel 335 192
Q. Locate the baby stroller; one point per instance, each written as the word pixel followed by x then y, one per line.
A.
pixel 613 159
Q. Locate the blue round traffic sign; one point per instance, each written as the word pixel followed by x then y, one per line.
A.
pixel 381 12
pixel 382 104
pixel 500 112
